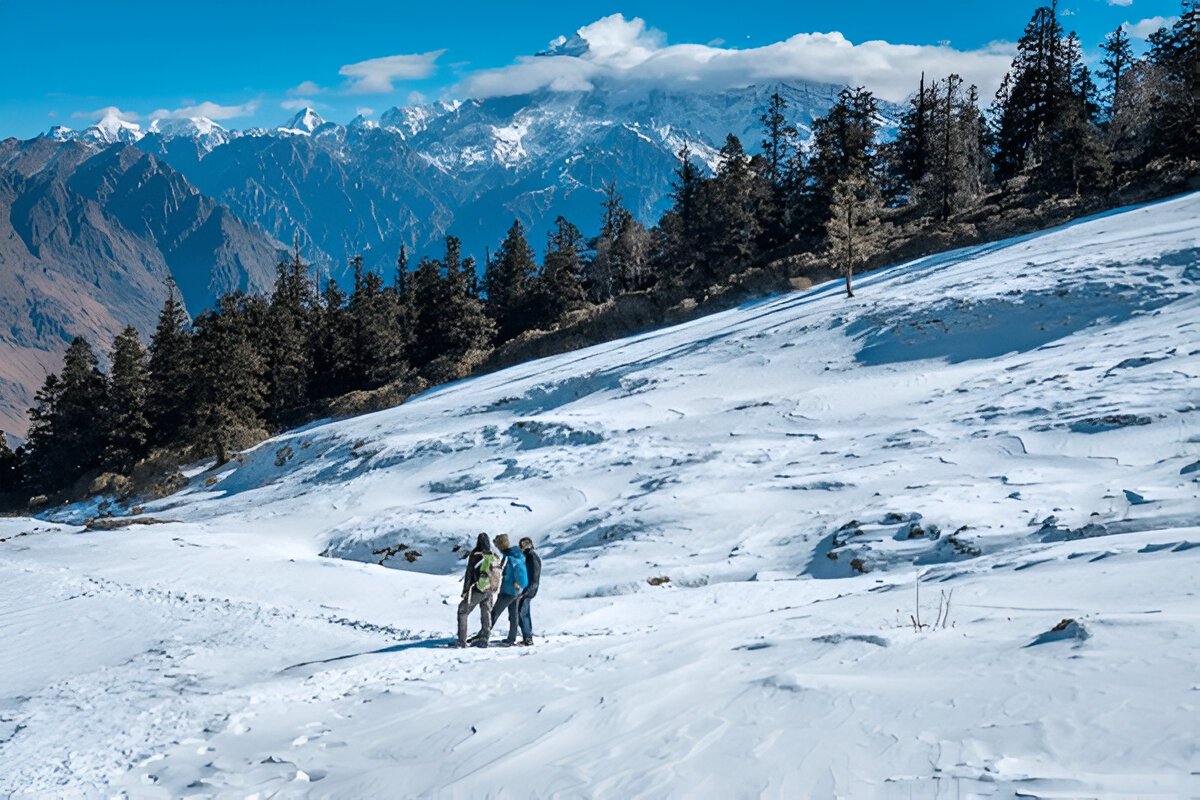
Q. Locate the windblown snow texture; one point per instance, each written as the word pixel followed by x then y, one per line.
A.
pixel 736 516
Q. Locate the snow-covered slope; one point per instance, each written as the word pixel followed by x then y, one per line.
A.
pixel 1011 429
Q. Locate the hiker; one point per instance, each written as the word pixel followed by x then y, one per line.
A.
pixel 515 579
pixel 533 565
pixel 483 570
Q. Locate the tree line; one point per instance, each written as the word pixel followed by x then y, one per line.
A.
pixel 254 364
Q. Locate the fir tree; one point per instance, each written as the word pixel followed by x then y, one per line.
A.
pixel 560 288
pixel 170 371
pixel 601 276
pixel 330 345
pixel 229 383
pixel 1118 59
pixel 780 139
pixel 908 155
pixel 734 212
pixel 127 421
pixel 66 435
pixel 377 345
pixel 509 283
pixel 1175 53
pixel 10 468
pixel 289 359
pixel 843 148
pixel 1036 103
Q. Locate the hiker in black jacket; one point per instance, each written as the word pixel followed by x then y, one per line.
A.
pixel 477 590
pixel 533 565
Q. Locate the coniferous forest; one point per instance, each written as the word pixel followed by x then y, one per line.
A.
pixel 1057 140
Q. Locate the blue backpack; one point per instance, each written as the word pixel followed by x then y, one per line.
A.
pixel 514 570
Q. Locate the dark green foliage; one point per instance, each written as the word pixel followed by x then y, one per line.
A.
pixel 127 428
pixel 286 340
pixel 229 386
pixel 559 289
pixel 737 198
pixel 330 344
pixel 170 371
pixel 449 320
pixel 10 469
pixel 844 148
pixel 66 432
pixel 1175 54
pixel 377 338
pixel 1118 60
pixel 509 284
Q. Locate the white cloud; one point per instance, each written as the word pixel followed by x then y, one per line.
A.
pixel 376 75
pixel 363 111
pixel 298 103
pixel 305 88
pixel 213 111
pixel 628 52
pixel 1143 28
pixel 1120 2
pixel 106 112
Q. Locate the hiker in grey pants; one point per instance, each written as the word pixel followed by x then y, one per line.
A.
pixel 473 597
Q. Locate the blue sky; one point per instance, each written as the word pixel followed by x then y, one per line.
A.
pixel 249 63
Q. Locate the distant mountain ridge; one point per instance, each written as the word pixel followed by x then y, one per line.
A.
pixel 466 168
pixel 88 238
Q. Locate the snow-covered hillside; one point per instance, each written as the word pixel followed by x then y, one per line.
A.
pixel 1012 428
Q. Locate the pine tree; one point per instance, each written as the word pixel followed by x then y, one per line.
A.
pixel 330 345
pixel 685 226
pixel 843 148
pixel 127 422
pixel 908 155
pixel 559 287
pixel 465 331
pixel 1118 59
pixel 66 435
pixel 377 345
pixel 1175 53
pixel 170 371
pixel 289 359
pixel 734 212
pixel 509 282
pixel 601 276
pixel 229 384
pixel 10 469
pixel 780 139
pixel 851 230
pixel 1031 99
pixel 955 164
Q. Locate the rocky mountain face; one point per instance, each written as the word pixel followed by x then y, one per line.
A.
pixel 88 236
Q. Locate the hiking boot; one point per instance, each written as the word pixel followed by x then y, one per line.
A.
pixel 480 643
pixel 509 642
pixel 457 644
pixel 527 643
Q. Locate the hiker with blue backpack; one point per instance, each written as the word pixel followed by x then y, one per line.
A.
pixel 483 577
pixel 512 585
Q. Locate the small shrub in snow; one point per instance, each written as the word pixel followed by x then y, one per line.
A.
pixel 658 581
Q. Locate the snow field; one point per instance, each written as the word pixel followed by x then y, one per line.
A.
pixel 1015 423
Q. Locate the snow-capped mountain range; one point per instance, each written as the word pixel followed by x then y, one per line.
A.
pixel 466 168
